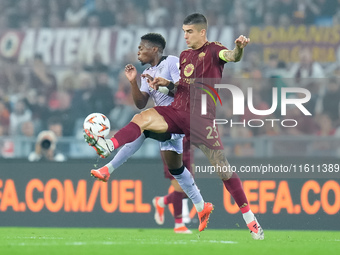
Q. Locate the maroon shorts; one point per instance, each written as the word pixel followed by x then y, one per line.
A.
pixel 187 159
pixel 197 130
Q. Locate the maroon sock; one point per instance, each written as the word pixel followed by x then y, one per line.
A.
pixel 169 198
pixel 125 135
pixel 234 186
pixel 175 198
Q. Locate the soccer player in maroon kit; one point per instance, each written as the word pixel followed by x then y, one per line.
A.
pixel 201 65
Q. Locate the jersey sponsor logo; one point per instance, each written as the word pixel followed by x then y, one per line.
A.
pixel 184 60
pixel 189 69
pixel 189 80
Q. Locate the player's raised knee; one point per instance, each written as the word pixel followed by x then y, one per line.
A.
pixel 141 119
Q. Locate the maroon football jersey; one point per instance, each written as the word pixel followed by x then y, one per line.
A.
pixel 200 69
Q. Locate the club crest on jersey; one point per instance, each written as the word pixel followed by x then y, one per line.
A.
pixel 160 68
pixel 189 69
pixel 201 56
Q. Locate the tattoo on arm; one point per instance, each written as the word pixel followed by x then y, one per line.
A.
pixel 234 55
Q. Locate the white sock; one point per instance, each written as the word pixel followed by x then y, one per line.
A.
pixel 178 225
pixel 248 216
pixel 187 183
pixel 127 151
pixel 199 206
pixel 110 167
pixel 160 202
pixel 185 211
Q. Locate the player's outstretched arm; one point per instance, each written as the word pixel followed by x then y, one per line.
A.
pixel 235 55
pixel 140 98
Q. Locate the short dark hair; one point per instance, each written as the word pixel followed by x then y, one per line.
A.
pixel 156 39
pixel 196 18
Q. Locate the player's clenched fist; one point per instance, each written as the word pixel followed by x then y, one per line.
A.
pixel 242 41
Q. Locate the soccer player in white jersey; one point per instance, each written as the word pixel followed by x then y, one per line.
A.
pixel 150 51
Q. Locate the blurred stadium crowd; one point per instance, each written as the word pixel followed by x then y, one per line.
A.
pixel 35 98
pixel 106 13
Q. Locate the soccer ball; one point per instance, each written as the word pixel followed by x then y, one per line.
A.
pixel 98 124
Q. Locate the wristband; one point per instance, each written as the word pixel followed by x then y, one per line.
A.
pixel 171 86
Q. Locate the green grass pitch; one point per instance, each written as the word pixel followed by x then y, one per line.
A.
pixel 62 241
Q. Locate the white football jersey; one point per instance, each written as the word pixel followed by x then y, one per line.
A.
pixel 168 68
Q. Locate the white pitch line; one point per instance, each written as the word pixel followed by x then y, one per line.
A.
pixel 212 241
pixel 37 237
pixel 229 242
pixel 113 243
